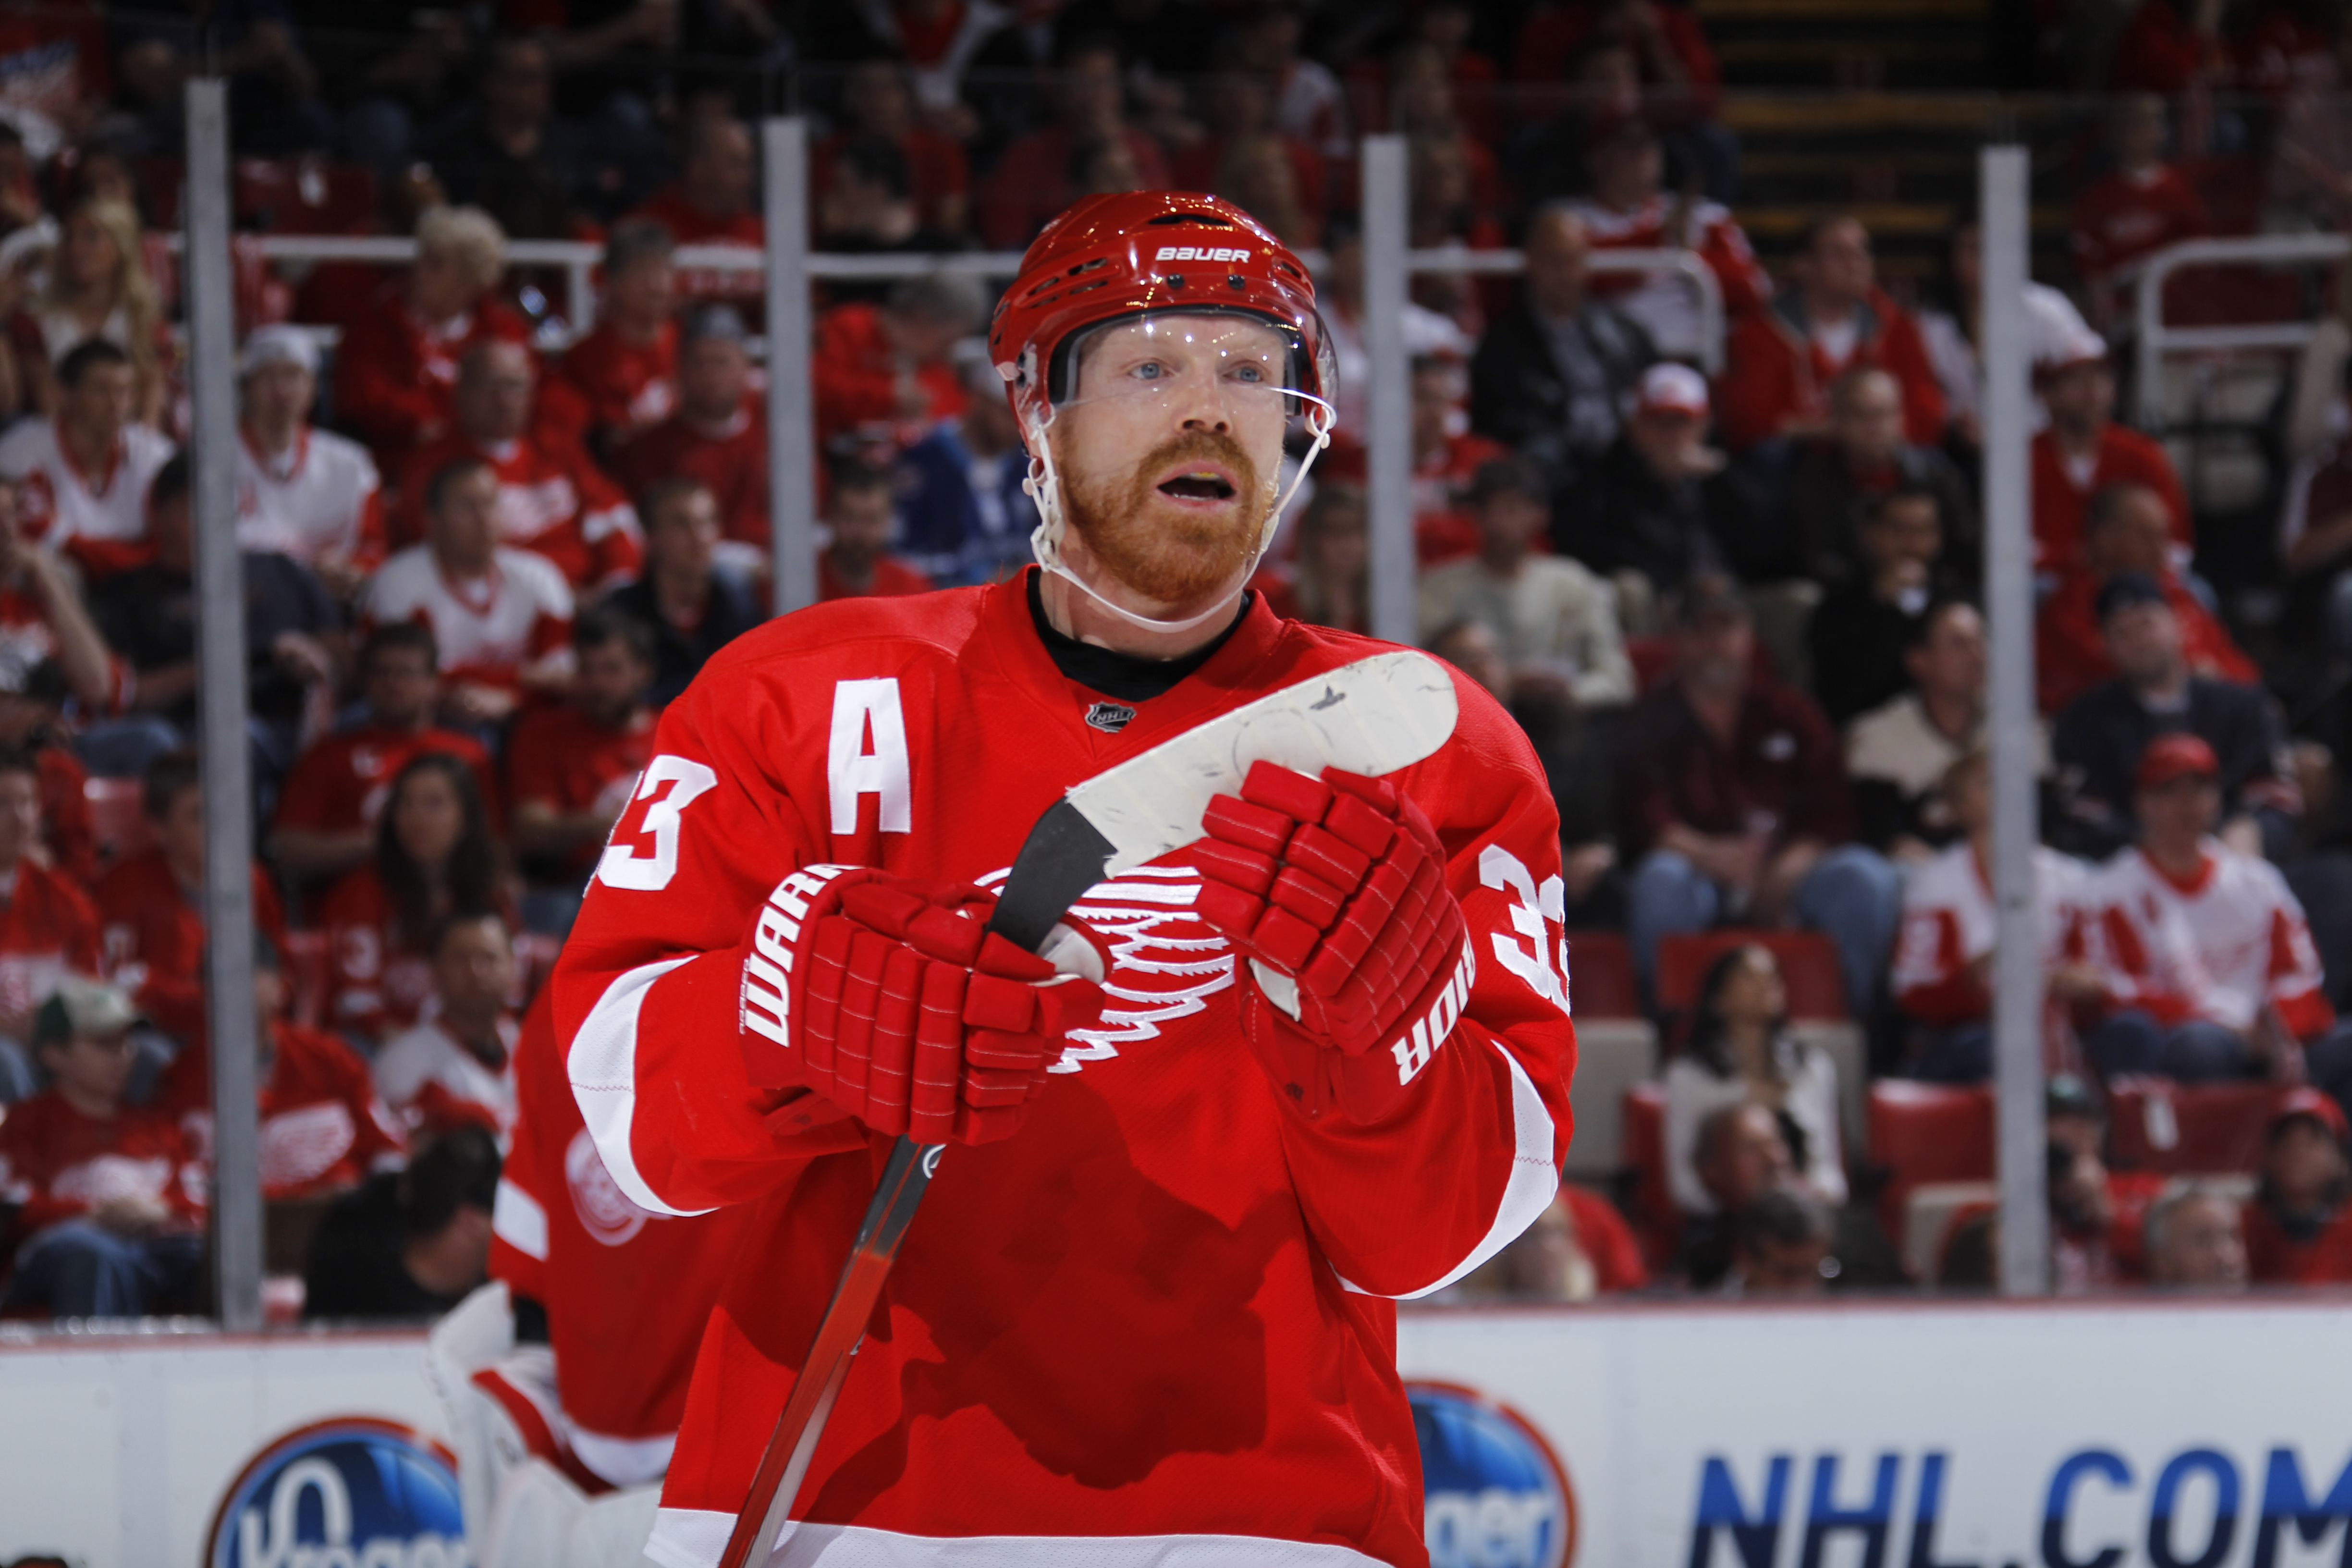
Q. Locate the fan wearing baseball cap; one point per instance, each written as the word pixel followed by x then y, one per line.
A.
pixel 2299 1223
pixel 2208 963
pixel 304 492
pixel 1657 508
pixel 108 1199
pixel 2100 736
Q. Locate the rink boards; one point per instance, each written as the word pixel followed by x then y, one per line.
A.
pixel 1745 1437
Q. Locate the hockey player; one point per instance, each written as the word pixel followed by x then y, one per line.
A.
pixel 1145 1315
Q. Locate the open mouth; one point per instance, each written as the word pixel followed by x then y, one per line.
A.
pixel 1198 484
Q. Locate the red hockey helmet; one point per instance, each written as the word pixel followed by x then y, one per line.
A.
pixel 1111 258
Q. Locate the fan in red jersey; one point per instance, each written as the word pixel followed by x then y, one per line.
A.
pixel 1306 1065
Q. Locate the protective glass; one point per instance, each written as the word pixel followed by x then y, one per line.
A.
pixel 1227 366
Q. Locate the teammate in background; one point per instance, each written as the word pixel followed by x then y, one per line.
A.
pixel 48 927
pixel 302 492
pixel 327 813
pixel 151 903
pixel 108 1201
pixel 857 563
pixel 574 767
pixel 1341 1086
pixel 568 1242
pixel 458 1066
pixel 500 618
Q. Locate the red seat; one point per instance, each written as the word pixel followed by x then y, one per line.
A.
pixel 118 818
pixel 2155 1124
pixel 1925 1132
pixel 1655 1219
pixel 1809 965
pixel 1601 975
pixel 306 977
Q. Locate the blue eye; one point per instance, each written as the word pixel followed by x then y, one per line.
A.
pixel 1150 370
pixel 1250 373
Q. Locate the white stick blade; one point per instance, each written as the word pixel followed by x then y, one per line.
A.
pixel 1372 717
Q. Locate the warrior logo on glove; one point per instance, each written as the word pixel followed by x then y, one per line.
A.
pixel 1336 889
pixel 892 1001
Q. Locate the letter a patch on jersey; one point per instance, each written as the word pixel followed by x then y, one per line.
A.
pixel 867 756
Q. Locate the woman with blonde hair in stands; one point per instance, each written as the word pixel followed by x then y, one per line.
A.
pixel 98 287
pixel 396 370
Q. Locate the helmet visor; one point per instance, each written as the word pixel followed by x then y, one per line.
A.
pixel 1231 369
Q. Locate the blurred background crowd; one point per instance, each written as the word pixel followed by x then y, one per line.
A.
pixel 1724 574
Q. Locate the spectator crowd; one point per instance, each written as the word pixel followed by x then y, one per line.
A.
pixel 483 545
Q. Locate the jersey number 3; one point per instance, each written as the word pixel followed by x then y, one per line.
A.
pixel 664 791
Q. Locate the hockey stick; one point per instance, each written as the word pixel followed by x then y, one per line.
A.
pixel 1372 717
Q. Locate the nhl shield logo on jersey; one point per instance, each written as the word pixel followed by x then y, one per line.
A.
pixel 349 1490
pixel 1494 1495
pixel 1111 717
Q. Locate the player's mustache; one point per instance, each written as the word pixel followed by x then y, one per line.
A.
pixel 1213 446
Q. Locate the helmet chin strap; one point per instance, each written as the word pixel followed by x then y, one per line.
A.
pixel 1044 486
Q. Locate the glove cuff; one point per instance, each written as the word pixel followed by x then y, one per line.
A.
pixel 1320 1082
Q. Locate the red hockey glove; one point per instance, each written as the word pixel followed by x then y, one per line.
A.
pixel 891 1000
pixel 1335 890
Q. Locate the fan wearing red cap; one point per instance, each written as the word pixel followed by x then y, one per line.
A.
pixel 2207 960
pixel 2299 1225
pixel 1310 1064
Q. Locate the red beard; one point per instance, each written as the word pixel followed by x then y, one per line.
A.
pixel 1169 555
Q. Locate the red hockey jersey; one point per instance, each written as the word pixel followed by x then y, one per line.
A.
pixel 342 781
pixel 322 1126
pixel 607 384
pixel 2062 495
pixel 154 938
pixel 552 502
pixel 48 928
pixel 1160 1317
pixel 732 458
pixel 561 759
pixel 2226 946
pixel 566 1235
pixel 57 1163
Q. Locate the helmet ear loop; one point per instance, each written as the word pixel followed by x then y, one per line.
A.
pixel 1321 418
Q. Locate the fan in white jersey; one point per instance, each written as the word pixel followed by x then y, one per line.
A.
pixel 500 618
pixel 1943 960
pixel 82 477
pixel 301 491
pixel 2204 952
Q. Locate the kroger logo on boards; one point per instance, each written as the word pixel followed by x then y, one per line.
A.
pixel 353 1492
pixel 1493 1493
